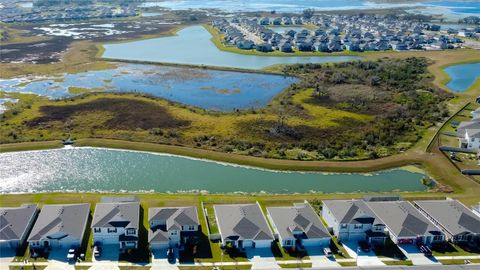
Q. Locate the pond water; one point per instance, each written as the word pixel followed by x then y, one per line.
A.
pixel 97 169
pixel 208 89
pixel 192 46
pixel 462 76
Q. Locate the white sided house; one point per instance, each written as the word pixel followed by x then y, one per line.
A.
pixel 353 220
pixel 15 224
pixel 469 133
pixel 60 226
pixel 172 226
pixel 405 224
pixel 298 225
pixel 243 226
pixel 458 222
pixel 116 222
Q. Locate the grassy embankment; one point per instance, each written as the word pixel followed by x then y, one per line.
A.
pixel 10 35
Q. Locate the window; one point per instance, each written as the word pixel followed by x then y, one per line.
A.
pixel 438 237
pixel 358 226
pixel 288 242
pixel 191 228
pixel 131 231
pixel 343 226
pixel 173 233
pixel 97 230
pixel 112 230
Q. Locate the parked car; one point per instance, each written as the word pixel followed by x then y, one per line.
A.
pixel 170 256
pixel 328 252
pixel 71 255
pixel 96 251
pixel 364 246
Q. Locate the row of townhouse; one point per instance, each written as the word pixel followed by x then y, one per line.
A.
pixel 425 222
pixel 116 221
pixel 245 226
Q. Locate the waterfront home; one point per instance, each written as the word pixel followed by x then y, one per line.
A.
pixel 116 222
pixel 469 133
pixel 15 224
pixel 405 224
pixel 264 47
pixel 298 225
pixel 60 226
pixel 243 226
pixel 353 220
pixel 172 226
pixel 458 222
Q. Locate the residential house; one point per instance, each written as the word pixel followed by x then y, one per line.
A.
pixel 298 225
pixel 15 224
pixel 243 226
pixel 353 220
pixel 458 222
pixel 405 224
pixel 469 133
pixel 60 226
pixel 116 222
pixel 172 226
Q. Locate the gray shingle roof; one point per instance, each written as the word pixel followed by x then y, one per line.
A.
pixel 119 199
pixel 242 221
pixel 402 219
pixel 69 219
pixel 455 217
pixel 352 212
pixel 173 217
pixel 299 217
pixel 14 221
pixel 122 214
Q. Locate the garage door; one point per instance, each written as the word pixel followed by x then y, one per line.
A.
pixel 247 244
pixel 159 245
pixel 263 244
pixel 316 242
pixel 356 236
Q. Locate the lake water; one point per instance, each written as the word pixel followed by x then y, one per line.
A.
pixel 462 76
pixel 192 46
pixel 96 169
pixel 208 89
pixel 458 7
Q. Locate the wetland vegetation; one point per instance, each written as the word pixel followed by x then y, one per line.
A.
pixel 390 103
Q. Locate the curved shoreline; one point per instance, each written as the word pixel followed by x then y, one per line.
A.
pixel 362 166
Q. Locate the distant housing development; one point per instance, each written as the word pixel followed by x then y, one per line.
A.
pixel 334 33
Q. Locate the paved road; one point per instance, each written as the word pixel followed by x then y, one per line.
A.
pixel 420 267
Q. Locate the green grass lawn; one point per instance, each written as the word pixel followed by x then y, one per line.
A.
pixel 452 262
pixel 296 265
pixel 405 262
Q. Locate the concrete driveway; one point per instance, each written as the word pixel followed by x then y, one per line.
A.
pixel 6 256
pixel 262 258
pixel 57 260
pixel 160 261
pixel 416 256
pixel 362 258
pixel 318 258
pixel 108 258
